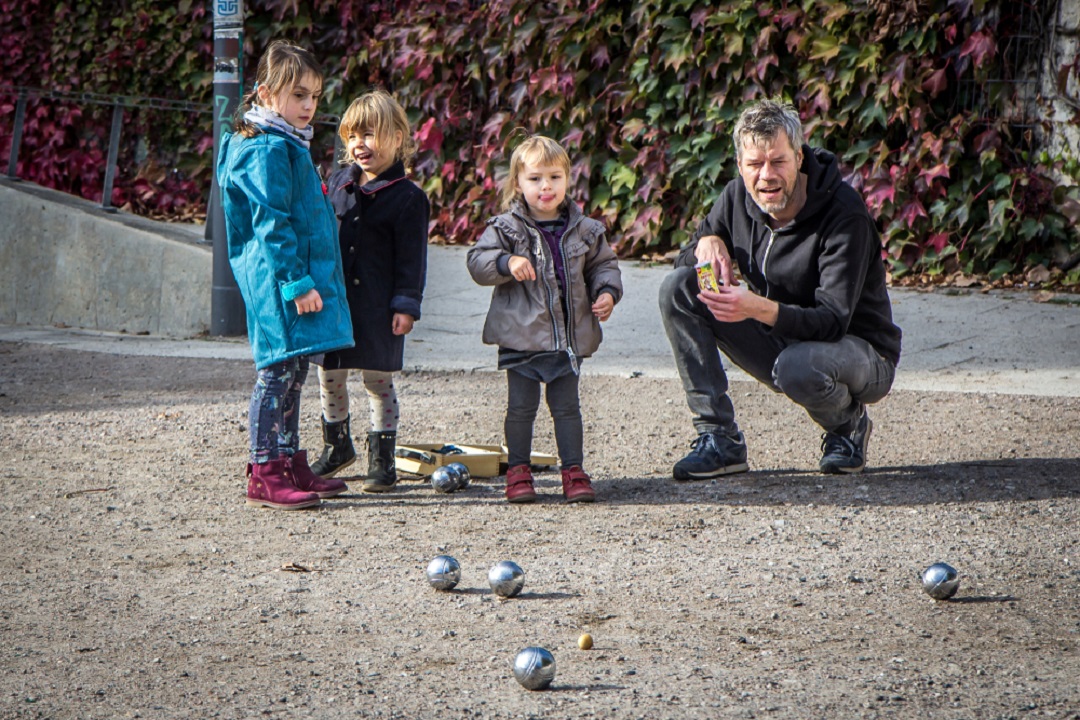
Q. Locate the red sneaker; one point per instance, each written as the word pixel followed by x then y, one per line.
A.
pixel 576 486
pixel 519 485
pixel 306 480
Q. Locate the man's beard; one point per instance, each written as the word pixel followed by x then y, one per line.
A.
pixel 775 206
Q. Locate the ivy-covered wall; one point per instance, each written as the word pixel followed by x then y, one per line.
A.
pixel 642 94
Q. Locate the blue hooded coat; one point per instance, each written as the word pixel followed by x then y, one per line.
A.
pixel 282 238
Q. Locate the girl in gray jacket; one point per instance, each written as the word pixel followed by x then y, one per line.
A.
pixel 555 280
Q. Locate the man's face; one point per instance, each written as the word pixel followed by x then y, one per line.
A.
pixel 770 171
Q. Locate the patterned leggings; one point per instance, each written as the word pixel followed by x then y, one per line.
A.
pixel 382 397
pixel 274 413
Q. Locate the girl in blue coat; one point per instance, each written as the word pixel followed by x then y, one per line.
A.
pixel 283 249
pixel 383 233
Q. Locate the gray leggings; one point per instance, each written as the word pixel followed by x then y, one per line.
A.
pixel 832 381
pixel 523 400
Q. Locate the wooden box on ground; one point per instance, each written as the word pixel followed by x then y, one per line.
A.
pixel 424 458
pixel 482 460
pixel 536 459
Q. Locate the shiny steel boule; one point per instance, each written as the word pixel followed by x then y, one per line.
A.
pixel 444 480
pixel 534 668
pixel 506 578
pixel 463 474
pixel 443 572
pixel 940 581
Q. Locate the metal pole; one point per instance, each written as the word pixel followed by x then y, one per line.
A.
pixel 16 136
pixel 110 164
pixel 226 303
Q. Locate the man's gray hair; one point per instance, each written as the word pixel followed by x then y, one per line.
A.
pixel 764 120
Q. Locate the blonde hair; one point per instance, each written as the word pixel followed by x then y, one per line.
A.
pixel 535 150
pixel 380 113
pixel 281 67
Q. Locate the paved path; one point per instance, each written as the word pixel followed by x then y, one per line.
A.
pixel 995 342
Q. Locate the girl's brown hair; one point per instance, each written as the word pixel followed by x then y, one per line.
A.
pixel 380 113
pixel 281 67
pixel 535 150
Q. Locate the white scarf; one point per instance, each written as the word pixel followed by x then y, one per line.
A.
pixel 264 117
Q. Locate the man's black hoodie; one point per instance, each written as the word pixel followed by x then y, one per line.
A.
pixel 824 268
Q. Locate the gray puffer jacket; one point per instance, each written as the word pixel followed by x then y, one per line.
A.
pixel 529 316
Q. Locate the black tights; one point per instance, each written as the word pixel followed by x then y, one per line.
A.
pixel 523 400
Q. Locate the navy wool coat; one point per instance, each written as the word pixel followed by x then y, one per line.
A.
pixel 383 230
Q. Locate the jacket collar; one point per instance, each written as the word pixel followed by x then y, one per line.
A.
pixel 393 174
pixel 521 212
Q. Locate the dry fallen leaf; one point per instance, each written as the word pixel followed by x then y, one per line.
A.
pixel 293 567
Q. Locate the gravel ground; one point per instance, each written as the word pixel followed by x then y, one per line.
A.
pixel 138 584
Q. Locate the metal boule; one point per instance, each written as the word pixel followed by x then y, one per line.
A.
pixel 940 581
pixel 506 578
pixel 534 668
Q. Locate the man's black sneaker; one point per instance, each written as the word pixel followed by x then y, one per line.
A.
pixel 713 455
pixel 846 453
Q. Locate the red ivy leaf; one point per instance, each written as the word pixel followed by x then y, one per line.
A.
pixel 938 241
pixel 430 136
pixel 938 171
pixel 980 45
pixel 912 212
pixel 546 79
pixel 882 193
pixel 987 140
pixel 936 83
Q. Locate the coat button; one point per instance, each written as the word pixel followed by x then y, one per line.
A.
pixel 356 281
pixel 352 249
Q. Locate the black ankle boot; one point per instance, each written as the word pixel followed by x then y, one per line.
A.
pixel 382 472
pixel 338 452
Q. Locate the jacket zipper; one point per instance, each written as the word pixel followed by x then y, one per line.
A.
pixel 569 309
pixel 538 244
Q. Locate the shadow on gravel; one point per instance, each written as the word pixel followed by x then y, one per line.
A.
pixel 949 482
pixel 980 599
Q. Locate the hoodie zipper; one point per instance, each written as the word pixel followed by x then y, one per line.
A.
pixel 765 260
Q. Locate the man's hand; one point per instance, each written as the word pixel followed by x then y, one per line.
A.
pixel 736 303
pixel 311 301
pixel 403 323
pixel 711 248
pixel 521 268
pixel 603 306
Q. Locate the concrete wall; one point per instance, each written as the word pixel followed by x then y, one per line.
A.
pixel 1062 136
pixel 67 262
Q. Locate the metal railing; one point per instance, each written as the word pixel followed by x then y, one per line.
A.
pixel 119 104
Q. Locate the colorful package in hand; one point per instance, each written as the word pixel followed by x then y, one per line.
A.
pixel 706 278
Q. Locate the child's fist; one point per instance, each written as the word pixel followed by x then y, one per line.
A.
pixel 521 268
pixel 603 306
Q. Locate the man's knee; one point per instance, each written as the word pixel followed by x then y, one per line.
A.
pixel 798 377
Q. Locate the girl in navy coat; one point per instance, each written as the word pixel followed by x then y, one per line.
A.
pixel 283 250
pixel 383 229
